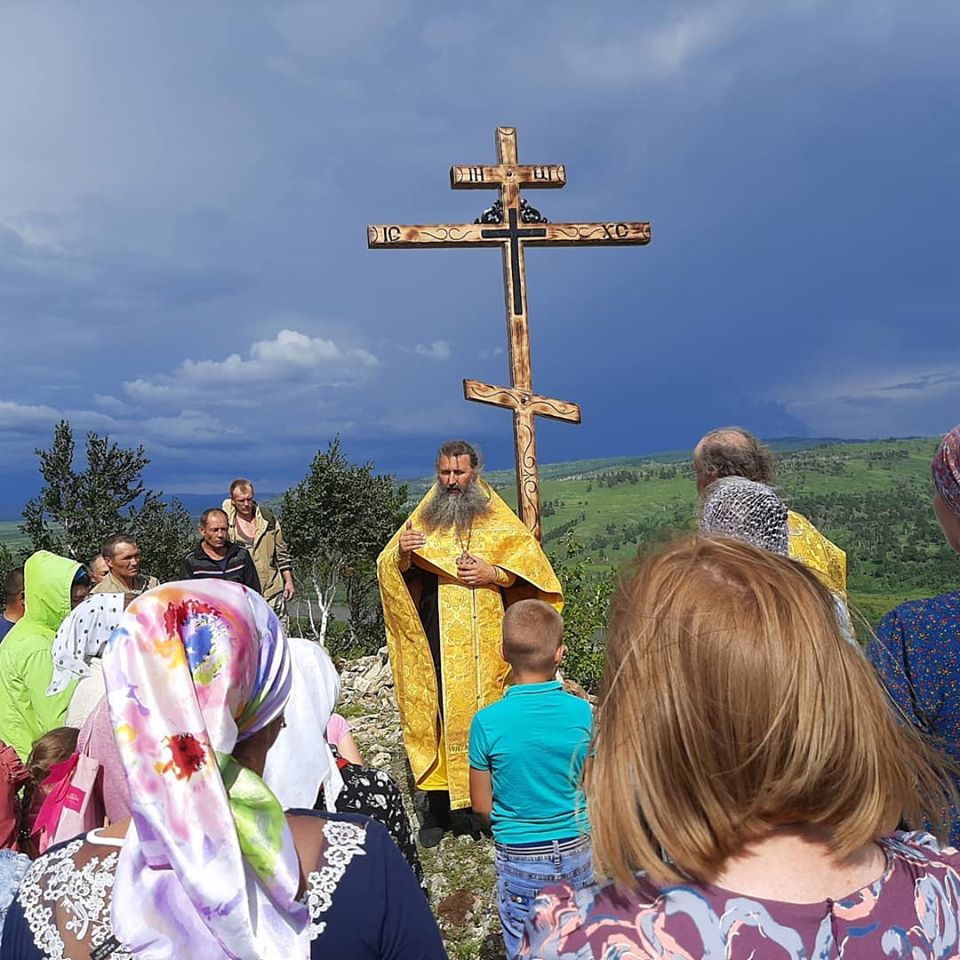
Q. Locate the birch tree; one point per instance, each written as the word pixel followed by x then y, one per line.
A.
pixel 336 521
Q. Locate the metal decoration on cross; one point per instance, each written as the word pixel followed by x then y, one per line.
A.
pixel 512 224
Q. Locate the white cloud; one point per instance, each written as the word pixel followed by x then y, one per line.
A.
pixel 447 418
pixel 290 358
pixel 190 427
pixel 488 354
pixel 654 50
pixel 879 400
pixel 107 402
pixel 435 350
pixel 18 416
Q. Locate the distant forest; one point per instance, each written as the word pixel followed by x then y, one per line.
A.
pixel 872 499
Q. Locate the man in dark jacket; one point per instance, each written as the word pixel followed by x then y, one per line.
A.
pixel 216 557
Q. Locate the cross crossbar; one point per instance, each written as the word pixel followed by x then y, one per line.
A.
pixel 519 226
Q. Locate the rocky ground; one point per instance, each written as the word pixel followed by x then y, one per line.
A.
pixel 459 871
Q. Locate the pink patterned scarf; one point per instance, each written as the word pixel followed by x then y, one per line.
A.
pixel 946 470
pixel 208 868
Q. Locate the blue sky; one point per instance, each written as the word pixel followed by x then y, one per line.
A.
pixel 184 190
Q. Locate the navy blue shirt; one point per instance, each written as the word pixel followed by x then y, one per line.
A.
pixel 367 904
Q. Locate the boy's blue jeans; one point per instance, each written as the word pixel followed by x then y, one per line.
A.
pixel 523 870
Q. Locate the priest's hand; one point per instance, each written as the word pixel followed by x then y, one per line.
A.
pixel 410 540
pixel 475 572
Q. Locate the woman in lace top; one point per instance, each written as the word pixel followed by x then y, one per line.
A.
pixel 209 866
pixel 746 781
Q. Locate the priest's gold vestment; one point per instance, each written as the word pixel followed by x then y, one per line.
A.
pixel 808 545
pixel 473 672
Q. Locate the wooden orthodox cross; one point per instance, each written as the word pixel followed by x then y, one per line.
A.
pixel 512 224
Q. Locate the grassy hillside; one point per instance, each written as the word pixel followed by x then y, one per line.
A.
pixel 11 536
pixel 871 498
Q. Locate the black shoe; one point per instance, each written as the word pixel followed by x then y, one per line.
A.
pixel 430 836
pixel 436 818
pixel 467 823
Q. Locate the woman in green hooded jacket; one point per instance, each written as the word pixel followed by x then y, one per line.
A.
pixel 52 586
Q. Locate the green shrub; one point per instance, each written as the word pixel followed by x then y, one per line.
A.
pixel 586 602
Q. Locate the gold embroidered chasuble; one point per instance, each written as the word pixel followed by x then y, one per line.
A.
pixel 473 672
pixel 808 545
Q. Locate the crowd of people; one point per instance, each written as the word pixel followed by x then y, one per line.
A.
pixel 757 778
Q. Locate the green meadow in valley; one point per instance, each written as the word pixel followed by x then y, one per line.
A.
pixel 870 498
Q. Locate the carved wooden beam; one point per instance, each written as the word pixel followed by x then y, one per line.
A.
pixel 521 400
pixel 525 407
pixel 615 233
pixel 551 176
pixel 512 225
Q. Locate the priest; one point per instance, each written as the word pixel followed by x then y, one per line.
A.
pixel 445 579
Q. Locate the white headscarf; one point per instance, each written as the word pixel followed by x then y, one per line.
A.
pixel 300 761
pixel 83 635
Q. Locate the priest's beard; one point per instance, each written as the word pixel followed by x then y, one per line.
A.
pixel 445 509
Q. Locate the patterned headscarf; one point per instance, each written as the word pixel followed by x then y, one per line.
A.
pixel 946 470
pixel 208 868
pixel 747 511
pixel 82 635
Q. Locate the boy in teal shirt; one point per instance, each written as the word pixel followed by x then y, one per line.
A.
pixel 526 756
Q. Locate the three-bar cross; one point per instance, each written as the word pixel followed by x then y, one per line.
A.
pixel 512 225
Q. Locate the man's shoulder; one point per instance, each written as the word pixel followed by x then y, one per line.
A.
pixel 269 517
pixel 499 514
pixel 196 553
pixel 107 585
pixel 239 551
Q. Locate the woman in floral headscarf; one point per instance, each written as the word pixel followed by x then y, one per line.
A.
pixel 916 649
pixel 209 866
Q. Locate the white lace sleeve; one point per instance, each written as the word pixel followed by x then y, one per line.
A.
pixel 344 841
pixel 61 897
pixel 66 897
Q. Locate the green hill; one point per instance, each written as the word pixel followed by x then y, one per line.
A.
pixel 871 498
pixel 10 535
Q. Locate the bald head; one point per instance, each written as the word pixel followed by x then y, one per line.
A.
pixel 731 452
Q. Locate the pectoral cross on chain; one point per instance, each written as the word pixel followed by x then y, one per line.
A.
pixel 512 225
